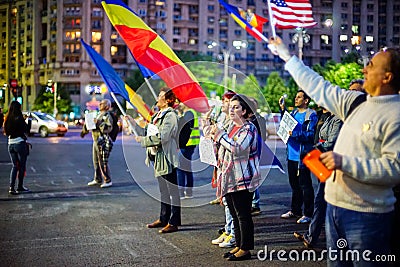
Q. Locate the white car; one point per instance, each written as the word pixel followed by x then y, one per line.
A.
pixel 44 124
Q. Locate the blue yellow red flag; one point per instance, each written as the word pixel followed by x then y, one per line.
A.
pixel 246 19
pixel 115 84
pixel 150 50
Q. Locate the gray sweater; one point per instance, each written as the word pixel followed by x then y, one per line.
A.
pixel 369 143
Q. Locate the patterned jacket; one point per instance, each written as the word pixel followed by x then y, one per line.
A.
pixel 238 160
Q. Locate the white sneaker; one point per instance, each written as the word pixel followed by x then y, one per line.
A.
pixel 220 239
pixel 288 215
pixel 94 182
pixel 229 242
pixel 104 185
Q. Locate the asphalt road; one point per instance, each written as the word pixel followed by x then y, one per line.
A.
pixel 63 222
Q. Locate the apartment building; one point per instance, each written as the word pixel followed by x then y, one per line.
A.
pixel 40 39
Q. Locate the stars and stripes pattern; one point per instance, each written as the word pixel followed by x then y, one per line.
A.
pixel 289 14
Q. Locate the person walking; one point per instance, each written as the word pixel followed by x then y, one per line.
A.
pixel 15 129
pixel 189 138
pixel 300 142
pixel 326 134
pixel 162 149
pixel 104 124
pixel 365 158
pixel 238 173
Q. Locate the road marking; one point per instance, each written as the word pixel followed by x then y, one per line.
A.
pixel 172 245
pixel 33 169
pixel 50 170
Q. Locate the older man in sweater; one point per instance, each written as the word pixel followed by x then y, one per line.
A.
pixel 365 159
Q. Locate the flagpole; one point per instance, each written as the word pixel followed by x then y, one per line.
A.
pixel 151 88
pixel 271 17
pixel 123 113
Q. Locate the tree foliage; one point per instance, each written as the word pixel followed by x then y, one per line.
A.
pixel 273 90
pixel 44 102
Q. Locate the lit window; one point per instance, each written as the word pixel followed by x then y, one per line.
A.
pixel 114 50
pixel 96 36
pixel 343 38
pixel 369 39
pixel 325 38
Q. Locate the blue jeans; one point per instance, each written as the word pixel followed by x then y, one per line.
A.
pixel 18 154
pixel 185 174
pixel 255 203
pixel 229 229
pixel 318 217
pixel 361 231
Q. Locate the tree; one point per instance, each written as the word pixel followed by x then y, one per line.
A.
pixel 274 89
pixel 45 101
pixel 340 74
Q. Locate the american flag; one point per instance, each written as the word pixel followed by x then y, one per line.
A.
pixel 291 14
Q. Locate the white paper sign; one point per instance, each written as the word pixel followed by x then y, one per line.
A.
pixel 206 151
pixel 89 120
pixel 288 123
pixel 152 129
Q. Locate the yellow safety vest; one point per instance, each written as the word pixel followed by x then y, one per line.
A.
pixel 194 138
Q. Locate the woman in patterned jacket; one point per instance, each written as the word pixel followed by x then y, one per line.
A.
pixel 238 173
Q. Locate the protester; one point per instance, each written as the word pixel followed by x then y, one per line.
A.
pixel 300 142
pixel 327 134
pixel 101 145
pixel 189 138
pixel 238 173
pixel 365 159
pixel 15 129
pixel 261 126
pixel 162 149
pixel 221 118
pixel 1 118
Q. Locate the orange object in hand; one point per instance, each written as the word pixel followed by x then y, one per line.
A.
pixel 311 160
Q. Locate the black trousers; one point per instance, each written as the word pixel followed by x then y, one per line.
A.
pixel 302 189
pixel 239 204
pixel 170 200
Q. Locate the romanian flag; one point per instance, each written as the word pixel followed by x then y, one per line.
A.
pixel 247 20
pixel 151 51
pixel 115 84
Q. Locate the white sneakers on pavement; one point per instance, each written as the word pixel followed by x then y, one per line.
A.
pixel 94 182
pixel 102 185
pixel 105 185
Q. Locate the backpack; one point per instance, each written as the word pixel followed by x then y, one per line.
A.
pixel 115 128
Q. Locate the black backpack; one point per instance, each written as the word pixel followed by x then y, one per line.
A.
pixel 115 128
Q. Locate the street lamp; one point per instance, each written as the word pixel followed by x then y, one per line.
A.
pixel 238 44
pixel 301 38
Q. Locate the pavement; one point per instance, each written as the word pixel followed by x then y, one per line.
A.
pixel 63 222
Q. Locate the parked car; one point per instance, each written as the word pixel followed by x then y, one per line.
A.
pixel 272 121
pixel 44 124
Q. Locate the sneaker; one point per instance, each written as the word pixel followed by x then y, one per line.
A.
pixel 288 215
pixel 94 182
pixel 23 190
pixel 104 185
pixel 220 239
pixel 12 191
pixel 229 242
pixel 255 211
pixel 215 201
pixel 302 238
pixel 304 219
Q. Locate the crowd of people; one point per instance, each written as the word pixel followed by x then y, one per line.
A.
pixel 357 131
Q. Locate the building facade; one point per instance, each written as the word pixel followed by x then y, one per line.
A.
pixel 41 39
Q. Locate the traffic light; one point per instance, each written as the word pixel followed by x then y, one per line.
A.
pixel 50 86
